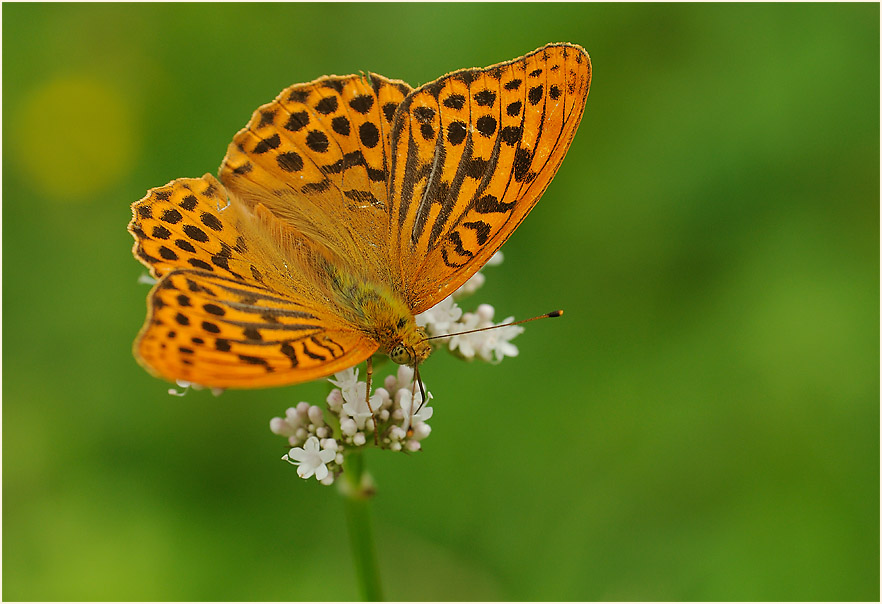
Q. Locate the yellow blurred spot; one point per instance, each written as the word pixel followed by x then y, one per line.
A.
pixel 75 136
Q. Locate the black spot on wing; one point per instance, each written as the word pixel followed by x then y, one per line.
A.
pixel 265 145
pixel 171 216
pixel 454 101
pixel 185 245
pixel 362 103
pixel 195 233
pixel 486 125
pixel 211 221
pixel 481 228
pixel 369 135
pixel 340 125
pixel 298 95
pixel 297 121
pixel 456 132
pixel 485 98
pixel 327 105
pixel 317 141
pixel 290 161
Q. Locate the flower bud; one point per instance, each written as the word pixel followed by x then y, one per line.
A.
pixel 315 415
pixel 281 427
pixel 348 426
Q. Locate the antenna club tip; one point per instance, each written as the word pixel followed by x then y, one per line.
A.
pixel 555 313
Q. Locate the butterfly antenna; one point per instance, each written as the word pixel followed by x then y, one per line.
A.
pixel 549 315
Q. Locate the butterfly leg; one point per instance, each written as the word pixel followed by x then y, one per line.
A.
pixel 370 375
pixel 221 209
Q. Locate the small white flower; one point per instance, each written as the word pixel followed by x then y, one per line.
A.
pixel 492 345
pixel 346 380
pixel 409 405
pixel 496 345
pixel 310 460
pixel 464 343
pixel 356 406
pixel 438 319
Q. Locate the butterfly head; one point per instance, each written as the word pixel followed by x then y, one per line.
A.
pixel 412 350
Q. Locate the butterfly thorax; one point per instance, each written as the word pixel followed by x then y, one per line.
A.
pixel 382 315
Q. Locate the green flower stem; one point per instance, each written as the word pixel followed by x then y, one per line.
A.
pixel 357 490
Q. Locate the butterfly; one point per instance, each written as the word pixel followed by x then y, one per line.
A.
pixel 344 208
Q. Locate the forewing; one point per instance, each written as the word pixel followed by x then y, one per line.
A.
pixel 318 157
pixel 472 153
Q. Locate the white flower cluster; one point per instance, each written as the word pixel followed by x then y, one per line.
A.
pixel 317 438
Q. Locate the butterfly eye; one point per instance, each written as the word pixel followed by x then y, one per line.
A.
pixel 401 355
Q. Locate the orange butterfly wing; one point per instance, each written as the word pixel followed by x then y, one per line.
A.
pixel 318 157
pixel 224 312
pixel 472 152
pixel 355 175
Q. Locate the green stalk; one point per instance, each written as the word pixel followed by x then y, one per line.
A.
pixel 357 490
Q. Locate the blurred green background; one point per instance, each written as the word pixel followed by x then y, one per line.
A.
pixel 703 423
